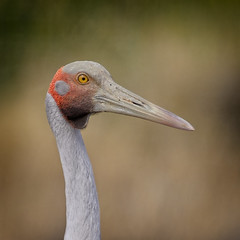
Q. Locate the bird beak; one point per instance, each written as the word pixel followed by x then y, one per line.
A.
pixel 113 98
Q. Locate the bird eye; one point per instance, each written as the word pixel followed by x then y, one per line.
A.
pixel 82 78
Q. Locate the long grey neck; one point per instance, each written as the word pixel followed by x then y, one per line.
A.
pixel 82 207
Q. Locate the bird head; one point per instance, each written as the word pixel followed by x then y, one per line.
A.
pixel 83 88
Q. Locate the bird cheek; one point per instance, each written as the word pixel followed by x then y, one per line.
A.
pixel 75 106
pixel 77 111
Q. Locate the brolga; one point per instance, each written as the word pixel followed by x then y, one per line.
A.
pixel 78 90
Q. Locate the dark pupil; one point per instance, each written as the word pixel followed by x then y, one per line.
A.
pixel 83 78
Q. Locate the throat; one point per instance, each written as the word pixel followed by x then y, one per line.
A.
pixel 79 122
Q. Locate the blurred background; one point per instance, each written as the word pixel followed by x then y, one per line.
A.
pixel 154 182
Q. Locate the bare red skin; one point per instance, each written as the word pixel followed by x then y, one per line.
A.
pixel 77 102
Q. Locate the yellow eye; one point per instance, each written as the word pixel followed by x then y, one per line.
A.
pixel 82 78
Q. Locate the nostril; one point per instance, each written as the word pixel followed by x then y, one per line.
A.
pixel 138 104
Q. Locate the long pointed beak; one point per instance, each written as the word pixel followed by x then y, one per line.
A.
pixel 113 98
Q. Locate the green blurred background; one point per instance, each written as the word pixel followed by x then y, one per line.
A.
pixel 154 182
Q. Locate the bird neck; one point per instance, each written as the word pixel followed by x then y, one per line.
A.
pixel 82 207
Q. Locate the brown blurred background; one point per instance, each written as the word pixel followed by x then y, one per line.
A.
pixel 154 182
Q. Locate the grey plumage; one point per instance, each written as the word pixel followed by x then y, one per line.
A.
pixel 69 104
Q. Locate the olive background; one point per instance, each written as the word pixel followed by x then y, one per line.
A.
pixel 154 182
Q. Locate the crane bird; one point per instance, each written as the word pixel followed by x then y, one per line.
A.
pixel 78 90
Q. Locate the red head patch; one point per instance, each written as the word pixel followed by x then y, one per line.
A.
pixel 77 101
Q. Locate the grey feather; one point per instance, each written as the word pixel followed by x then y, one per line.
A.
pixel 82 206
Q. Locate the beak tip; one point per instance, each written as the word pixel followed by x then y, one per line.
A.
pixel 189 127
